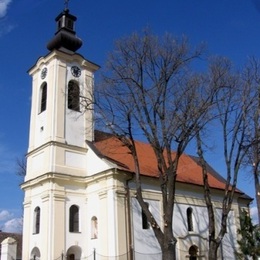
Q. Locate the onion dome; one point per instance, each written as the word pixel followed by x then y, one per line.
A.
pixel 65 38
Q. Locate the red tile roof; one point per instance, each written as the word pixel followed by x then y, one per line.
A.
pixel 189 170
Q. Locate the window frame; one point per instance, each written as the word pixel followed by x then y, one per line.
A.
pixel 73 99
pixel 189 213
pixel 74 219
pixel 43 97
pixel 36 220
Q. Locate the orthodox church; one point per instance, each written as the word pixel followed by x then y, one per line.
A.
pixel 79 187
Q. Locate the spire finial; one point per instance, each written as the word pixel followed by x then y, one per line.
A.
pixel 66 4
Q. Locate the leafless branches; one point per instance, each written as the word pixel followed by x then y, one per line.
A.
pixel 150 90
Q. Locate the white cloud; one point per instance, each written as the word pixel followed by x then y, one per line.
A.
pixel 9 223
pixel 5 215
pixel 3 7
pixel 14 225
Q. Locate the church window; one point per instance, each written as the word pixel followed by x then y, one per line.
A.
pixel 74 219
pixel 145 223
pixel 37 213
pixel 94 227
pixel 43 97
pixel 189 219
pixel 73 96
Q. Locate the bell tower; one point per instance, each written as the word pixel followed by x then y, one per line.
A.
pixel 60 124
pixel 62 109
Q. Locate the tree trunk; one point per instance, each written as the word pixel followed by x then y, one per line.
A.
pixel 169 252
pixel 213 250
pixel 257 193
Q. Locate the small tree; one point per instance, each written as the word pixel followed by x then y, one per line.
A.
pixel 249 242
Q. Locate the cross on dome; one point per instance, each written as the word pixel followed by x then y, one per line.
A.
pixel 66 4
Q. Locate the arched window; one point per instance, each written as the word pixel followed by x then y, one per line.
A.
pixel 145 222
pixel 74 219
pixel 193 252
pixel 37 214
pixel 94 227
pixel 73 96
pixel 189 219
pixel 43 97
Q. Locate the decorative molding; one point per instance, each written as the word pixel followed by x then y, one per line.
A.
pixel 45 197
pixel 121 193
pixel 27 203
pixel 63 57
pixel 102 194
pixel 193 234
pixel 59 144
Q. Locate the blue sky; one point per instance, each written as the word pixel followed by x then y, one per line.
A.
pixel 229 28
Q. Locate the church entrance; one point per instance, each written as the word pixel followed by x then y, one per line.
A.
pixel 72 257
pixel 35 254
pixel 193 252
pixel 74 253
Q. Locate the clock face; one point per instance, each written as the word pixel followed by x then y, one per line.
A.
pixel 44 73
pixel 75 71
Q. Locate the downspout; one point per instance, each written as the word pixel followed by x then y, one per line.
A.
pixel 129 237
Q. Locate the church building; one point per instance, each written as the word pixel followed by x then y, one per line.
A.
pixel 79 187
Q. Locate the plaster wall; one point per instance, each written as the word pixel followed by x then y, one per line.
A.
pixel 146 245
pixel 95 164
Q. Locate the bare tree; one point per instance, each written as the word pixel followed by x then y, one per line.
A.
pixel 150 90
pixel 233 105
